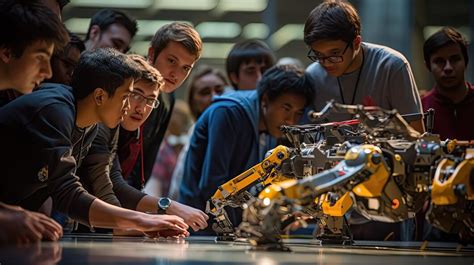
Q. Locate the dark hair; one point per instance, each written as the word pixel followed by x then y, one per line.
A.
pixel 283 79
pixel 62 3
pixel 148 73
pixel 106 68
pixel 246 51
pixel 200 72
pixel 444 37
pixel 335 20
pixel 106 17
pixel 26 21
pixel 75 41
pixel 179 32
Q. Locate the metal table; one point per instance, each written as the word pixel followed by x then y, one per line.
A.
pixel 106 249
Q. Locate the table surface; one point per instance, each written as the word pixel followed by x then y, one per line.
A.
pixel 105 249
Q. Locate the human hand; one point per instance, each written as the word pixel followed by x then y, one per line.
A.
pixel 162 225
pixel 22 227
pixel 195 218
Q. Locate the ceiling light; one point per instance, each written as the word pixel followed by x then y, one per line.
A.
pixel 285 34
pixel 113 3
pixel 218 29
pixel 216 50
pixel 186 4
pixel 255 31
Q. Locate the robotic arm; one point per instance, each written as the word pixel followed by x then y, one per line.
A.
pixel 235 193
pixel 452 195
pixel 363 171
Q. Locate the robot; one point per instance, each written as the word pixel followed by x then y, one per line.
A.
pixel 388 179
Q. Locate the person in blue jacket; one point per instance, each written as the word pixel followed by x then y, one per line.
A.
pixel 236 131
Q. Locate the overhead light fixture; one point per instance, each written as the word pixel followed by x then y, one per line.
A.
pixel 241 6
pixel 430 30
pixel 145 27
pixel 78 25
pixel 113 3
pixel 149 27
pixel 216 50
pixel 285 34
pixel 218 29
pixel 201 5
pixel 255 31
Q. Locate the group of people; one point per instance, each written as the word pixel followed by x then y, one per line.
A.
pixel 82 122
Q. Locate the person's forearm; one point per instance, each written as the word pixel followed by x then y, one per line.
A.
pixel 105 215
pixel 148 204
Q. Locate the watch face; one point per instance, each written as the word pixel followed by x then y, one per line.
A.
pixel 164 203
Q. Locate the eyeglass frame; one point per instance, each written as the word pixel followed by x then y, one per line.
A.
pixel 322 59
pixel 141 98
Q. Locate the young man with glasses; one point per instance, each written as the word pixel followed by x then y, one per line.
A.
pixel 355 72
pixel 102 172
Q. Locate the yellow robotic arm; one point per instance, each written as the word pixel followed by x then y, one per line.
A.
pixel 234 193
pixel 452 196
pixel 363 168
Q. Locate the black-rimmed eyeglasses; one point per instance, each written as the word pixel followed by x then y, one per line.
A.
pixel 150 102
pixel 331 59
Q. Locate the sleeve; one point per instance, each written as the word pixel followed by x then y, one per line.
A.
pixel 127 195
pixel 223 138
pixel 404 94
pixel 52 128
pixel 95 168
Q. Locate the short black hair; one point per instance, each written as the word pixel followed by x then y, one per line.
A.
pixel 444 37
pixel 27 21
pixel 104 68
pixel 247 51
pixel 106 17
pixel 335 20
pixel 283 79
pixel 75 41
pixel 62 3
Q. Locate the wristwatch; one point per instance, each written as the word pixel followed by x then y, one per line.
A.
pixel 163 204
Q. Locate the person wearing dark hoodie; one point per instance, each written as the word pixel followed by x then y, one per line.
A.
pixel 24 62
pixel 101 172
pixel 45 134
pixel 236 131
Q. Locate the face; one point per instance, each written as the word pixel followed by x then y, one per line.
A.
pixel 287 109
pixel 448 67
pixel 249 74
pixel 334 50
pixel 31 68
pixel 115 36
pixel 205 88
pixel 174 63
pixel 143 93
pixel 63 65
pixel 112 109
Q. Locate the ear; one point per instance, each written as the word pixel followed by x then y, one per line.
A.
pixel 94 33
pixel 356 42
pixel 99 96
pixel 5 55
pixel 233 78
pixel 151 55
